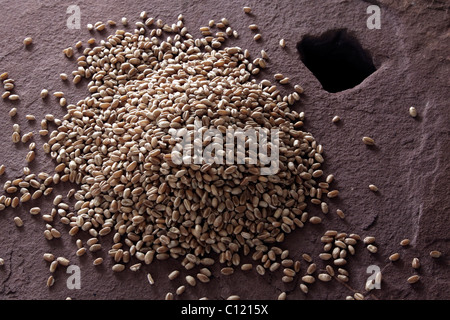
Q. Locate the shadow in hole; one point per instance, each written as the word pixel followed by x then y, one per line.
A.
pixel 336 59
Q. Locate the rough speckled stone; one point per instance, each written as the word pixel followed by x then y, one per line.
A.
pixel 410 162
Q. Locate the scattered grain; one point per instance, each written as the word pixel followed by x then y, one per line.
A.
pixel 368 141
pixel 394 257
pixel 27 41
pixel 336 119
pixel 18 222
pixel 405 242
pixel 413 279
pixel 50 281
pixel 415 263
pixel 435 254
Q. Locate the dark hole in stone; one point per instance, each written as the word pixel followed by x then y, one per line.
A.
pixel 337 59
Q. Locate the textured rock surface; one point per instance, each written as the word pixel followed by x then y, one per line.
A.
pixel 410 163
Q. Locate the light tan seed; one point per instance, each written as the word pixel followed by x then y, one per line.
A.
pixel 260 269
pixel 336 119
pixel 274 266
pixel 150 279
pixel 413 112
pixel 118 267
pixel 325 277
pixel 282 43
pixel 180 290
pixel 203 278
pixel 227 271
pixel 206 272
pixel 168 296
pixel 373 187
pixel 405 242
pixel 247 10
pixel 306 257
pixel 372 248
pixel 303 287
pixel 394 257
pixel 80 252
pixel 63 261
pixel 15 137
pixel 282 296
pixel 299 89
pixel 44 93
pixel 315 220
pixel 48 235
pixel 435 254
pixel 311 268
pixel 415 263
pixel 330 270
pixel 257 37
pixel 95 247
pixel 55 233
pixel 342 277
pixel 174 274
pixel 30 156
pixel 68 52
pixel 297 266
pixel 18 222
pixel 12 112
pixel 98 261
pixel 289 272
pixel 308 279
pixel 368 141
pixel 340 213
pixel 191 281
pixel 74 230
pixel 369 240
pixel 27 41
pixel 325 256
pixel 413 279
pixel 246 267
pixel 358 296
pixel 49 257
pixel 285 80
pixel 53 265
pixel 50 281
pixel 333 194
pixel 340 262
pixel 324 207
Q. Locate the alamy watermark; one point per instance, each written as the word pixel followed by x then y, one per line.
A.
pixel 210 145
pixel 74 20
pixel 374 20
pixel 74 280
pixel 374 280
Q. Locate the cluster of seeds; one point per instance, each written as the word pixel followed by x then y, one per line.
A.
pixel 337 246
pixel 8 85
pixel 117 145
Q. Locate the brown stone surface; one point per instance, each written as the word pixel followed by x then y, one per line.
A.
pixel 409 164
